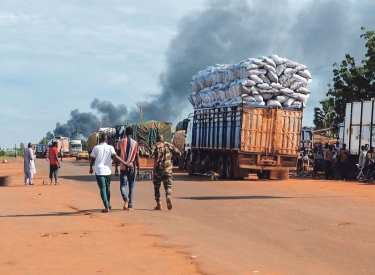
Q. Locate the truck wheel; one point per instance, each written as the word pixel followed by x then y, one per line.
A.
pixel 264 175
pixel 221 167
pixel 229 168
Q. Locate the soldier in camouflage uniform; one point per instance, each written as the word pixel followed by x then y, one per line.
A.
pixel 162 152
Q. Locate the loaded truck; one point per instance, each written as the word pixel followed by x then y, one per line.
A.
pixel 75 147
pixel 63 142
pixel 144 132
pixel 41 150
pixel 236 140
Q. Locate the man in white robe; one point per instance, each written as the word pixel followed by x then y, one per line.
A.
pixel 29 165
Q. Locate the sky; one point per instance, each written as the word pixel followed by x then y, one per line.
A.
pixel 68 65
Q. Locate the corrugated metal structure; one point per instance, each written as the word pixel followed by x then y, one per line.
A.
pixel 359 128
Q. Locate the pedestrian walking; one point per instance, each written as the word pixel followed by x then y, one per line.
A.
pixel 343 162
pixel 29 164
pixel 102 155
pixel 328 160
pixel 127 148
pixel 162 153
pixel 361 161
pixel 54 164
pixel 61 152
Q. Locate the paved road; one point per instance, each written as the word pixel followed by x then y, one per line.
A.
pixel 252 226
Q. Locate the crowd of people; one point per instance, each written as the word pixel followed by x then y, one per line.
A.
pixel 127 155
pixel 334 161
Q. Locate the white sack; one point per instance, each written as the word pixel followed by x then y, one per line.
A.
pixel 272 76
pixel 251 66
pixel 276 85
pixel 303 90
pixel 305 73
pixel 288 102
pixel 248 82
pixel 258 98
pixel 264 86
pixel 281 98
pixel 249 98
pixel 299 78
pixel 254 91
pixel 265 79
pixel 296 85
pixel 280 69
pixel 287 91
pixel 273 103
pixel 278 60
pixel 256 79
pixel 270 68
pixel 291 64
pixel 267 96
pixel 269 61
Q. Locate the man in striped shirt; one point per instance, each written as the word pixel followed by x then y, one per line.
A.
pixel 127 148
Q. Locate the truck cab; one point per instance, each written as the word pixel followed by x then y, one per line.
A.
pixel 75 147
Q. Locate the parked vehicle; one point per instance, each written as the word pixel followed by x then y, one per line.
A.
pixel 82 155
pixel 93 140
pixel 237 140
pixel 144 132
pixel 63 142
pixel 359 126
pixel 41 151
pixel 75 147
pixel 307 140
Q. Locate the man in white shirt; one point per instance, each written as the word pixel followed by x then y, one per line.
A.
pixel 361 161
pixel 102 155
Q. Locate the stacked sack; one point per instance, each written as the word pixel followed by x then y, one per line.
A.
pixel 267 81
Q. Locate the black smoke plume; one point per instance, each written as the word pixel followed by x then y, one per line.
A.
pixel 316 34
pixel 87 122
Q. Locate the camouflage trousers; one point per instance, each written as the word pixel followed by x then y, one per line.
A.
pixel 166 178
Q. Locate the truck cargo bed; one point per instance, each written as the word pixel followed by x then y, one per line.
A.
pixel 247 130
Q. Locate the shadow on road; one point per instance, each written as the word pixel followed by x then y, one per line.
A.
pixel 233 198
pixel 55 214
pixel 85 178
pixel 75 213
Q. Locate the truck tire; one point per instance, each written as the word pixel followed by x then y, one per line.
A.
pixel 229 168
pixel 221 167
pixel 264 175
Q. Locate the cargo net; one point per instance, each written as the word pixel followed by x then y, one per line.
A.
pixel 268 81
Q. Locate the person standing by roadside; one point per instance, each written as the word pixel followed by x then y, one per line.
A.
pixel 54 164
pixel 127 148
pixel 102 155
pixel 61 152
pixel 369 162
pixel 361 161
pixel 29 164
pixel 162 152
pixel 343 162
pixel 328 160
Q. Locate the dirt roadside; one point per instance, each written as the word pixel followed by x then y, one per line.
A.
pixel 41 233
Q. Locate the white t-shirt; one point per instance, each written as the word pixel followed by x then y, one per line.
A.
pixel 103 159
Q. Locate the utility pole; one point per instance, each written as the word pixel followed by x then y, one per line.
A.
pixel 15 150
pixel 140 106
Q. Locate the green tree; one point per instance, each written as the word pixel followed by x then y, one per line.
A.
pixel 22 149
pixel 43 141
pixel 325 116
pixel 352 82
pixel 85 145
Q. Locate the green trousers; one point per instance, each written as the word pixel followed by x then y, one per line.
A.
pixel 104 186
